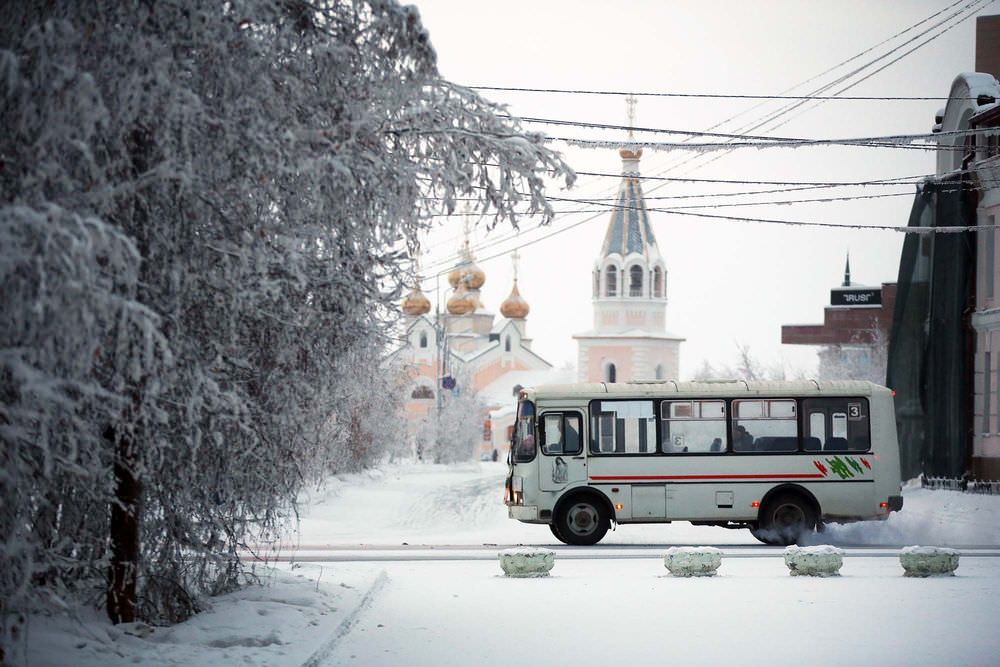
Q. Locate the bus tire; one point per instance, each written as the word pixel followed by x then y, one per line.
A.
pixel 786 519
pixel 581 521
pixel 554 527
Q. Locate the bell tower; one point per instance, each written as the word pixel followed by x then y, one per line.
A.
pixel 628 340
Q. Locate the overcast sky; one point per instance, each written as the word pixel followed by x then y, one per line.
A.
pixel 728 282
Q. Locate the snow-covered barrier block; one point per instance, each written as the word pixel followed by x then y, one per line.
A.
pixel 692 561
pixel 821 561
pixel 928 561
pixel 527 562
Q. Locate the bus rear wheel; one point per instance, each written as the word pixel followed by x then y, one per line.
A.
pixel 786 519
pixel 582 522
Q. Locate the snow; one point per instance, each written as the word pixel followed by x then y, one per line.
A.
pixel 600 602
pixel 287 620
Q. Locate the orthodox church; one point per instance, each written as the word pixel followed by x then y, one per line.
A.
pixel 629 340
pixel 468 347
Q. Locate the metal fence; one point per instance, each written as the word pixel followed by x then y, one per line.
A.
pixel 991 488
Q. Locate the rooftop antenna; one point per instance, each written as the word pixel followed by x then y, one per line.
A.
pixel 847 271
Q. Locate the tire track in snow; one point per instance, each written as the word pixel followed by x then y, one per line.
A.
pixel 346 625
pixel 466 504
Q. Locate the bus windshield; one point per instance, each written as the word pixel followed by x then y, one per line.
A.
pixel 524 432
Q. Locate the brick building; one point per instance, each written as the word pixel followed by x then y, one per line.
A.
pixel 854 335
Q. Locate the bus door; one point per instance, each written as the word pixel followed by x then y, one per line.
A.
pixel 562 461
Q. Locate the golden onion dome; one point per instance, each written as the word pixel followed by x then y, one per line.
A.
pixel 474 276
pixel 628 154
pixel 467 271
pixel 461 302
pixel 416 304
pixel 514 306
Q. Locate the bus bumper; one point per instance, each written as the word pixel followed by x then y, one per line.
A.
pixel 523 512
pixel 895 503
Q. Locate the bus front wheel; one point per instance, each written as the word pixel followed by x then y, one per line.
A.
pixel 786 519
pixel 582 522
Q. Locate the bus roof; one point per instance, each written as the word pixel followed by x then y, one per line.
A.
pixel 660 388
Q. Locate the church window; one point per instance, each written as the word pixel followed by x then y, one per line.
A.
pixel 506 344
pixel 611 374
pixel 423 339
pixel 422 391
pixel 658 282
pixel 659 372
pixel 611 282
pixel 635 281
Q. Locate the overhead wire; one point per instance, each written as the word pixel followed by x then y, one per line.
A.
pixel 974 6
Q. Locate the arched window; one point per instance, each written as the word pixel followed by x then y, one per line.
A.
pixel 423 339
pixel 657 282
pixel 611 375
pixel 659 372
pixel 422 391
pixel 611 282
pixel 506 344
pixel 635 281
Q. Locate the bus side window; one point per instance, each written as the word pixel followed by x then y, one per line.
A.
pixel 840 424
pixel 573 426
pixel 816 435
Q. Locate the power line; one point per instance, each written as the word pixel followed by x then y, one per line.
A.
pixel 625 93
pixel 971 8
pixel 706 147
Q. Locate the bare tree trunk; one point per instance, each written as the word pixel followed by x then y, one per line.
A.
pixel 124 530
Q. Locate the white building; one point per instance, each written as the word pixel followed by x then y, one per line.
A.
pixel 629 340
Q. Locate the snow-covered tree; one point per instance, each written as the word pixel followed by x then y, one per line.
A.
pixel 864 359
pixel 452 433
pixel 201 204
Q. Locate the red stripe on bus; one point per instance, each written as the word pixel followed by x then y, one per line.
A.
pixel 608 478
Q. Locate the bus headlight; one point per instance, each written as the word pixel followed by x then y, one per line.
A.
pixel 516 490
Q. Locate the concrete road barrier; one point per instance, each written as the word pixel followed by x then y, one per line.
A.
pixel 928 561
pixel 527 562
pixel 692 561
pixel 820 561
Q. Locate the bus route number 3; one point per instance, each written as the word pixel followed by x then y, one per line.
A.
pixel 854 411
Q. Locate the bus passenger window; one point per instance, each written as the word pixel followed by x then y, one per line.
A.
pixel 693 427
pixel 624 427
pixel 765 426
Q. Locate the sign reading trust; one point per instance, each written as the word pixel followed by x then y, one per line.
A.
pixel 856 297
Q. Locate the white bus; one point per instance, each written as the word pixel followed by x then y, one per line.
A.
pixel 779 458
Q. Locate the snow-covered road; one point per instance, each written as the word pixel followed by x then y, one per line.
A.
pixel 631 612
